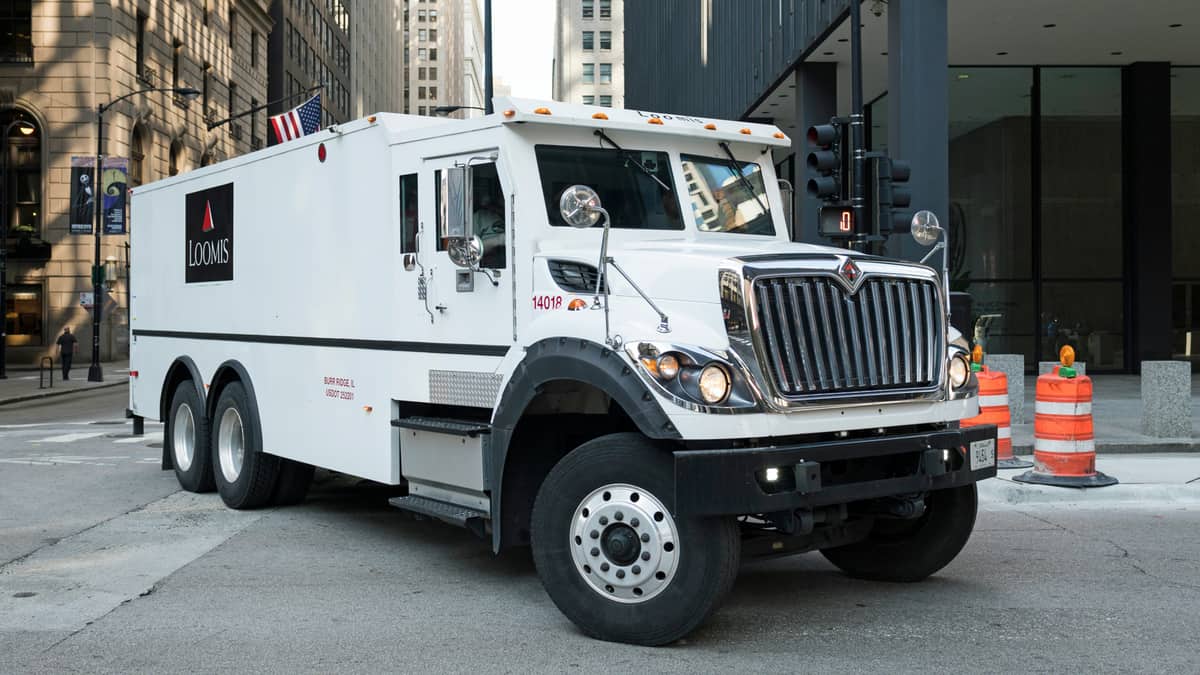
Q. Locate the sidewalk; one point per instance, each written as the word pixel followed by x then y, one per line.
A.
pixel 1117 416
pixel 1150 479
pixel 22 382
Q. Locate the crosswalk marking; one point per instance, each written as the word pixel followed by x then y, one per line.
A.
pixel 148 438
pixel 70 438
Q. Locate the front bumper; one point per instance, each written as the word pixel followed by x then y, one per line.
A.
pixel 729 481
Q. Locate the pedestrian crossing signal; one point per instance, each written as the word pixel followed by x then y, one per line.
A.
pixel 836 221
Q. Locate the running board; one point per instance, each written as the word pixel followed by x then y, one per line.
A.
pixel 446 512
pixel 441 425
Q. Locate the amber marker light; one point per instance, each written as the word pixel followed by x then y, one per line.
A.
pixel 367 408
pixel 977 354
pixel 654 120
pixel 746 131
pixel 779 134
pixel 541 111
pixel 371 119
pixel 510 112
pixel 1066 356
pixel 599 116
pixel 710 126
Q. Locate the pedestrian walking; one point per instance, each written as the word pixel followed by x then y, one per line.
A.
pixel 66 350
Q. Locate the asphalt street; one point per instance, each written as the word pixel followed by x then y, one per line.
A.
pixel 105 566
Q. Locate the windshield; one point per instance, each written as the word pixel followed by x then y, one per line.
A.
pixel 635 197
pixel 727 196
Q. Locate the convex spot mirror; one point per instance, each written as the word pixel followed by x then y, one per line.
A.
pixel 579 206
pixel 925 228
pixel 465 252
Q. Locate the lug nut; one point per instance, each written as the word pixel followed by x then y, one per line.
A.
pixel 603 520
pixel 645 556
pixel 620 574
pixel 603 567
pixel 619 516
pixel 637 569
pixel 594 534
pixel 634 522
pixel 645 538
pixel 595 551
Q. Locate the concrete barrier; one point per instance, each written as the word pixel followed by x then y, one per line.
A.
pixel 1167 399
pixel 1048 366
pixel 1013 367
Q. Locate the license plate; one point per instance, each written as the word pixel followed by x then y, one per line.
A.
pixel 983 454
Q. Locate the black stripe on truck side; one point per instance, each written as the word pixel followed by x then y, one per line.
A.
pixel 344 343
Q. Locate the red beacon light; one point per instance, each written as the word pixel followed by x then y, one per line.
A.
pixel 321 152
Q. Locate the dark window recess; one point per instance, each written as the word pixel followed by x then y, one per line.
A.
pixel 574 277
pixel 16 31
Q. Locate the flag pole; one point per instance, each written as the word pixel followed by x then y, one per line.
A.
pixel 214 125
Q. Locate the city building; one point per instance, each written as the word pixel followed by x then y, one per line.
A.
pixel 1059 141
pixel 310 46
pixel 443 56
pixel 589 52
pixel 58 62
pixel 377 57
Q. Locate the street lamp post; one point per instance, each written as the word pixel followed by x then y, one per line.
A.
pixel 94 374
pixel 5 207
pixel 447 109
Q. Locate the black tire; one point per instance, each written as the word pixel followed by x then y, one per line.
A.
pixel 292 485
pixel 251 484
pixel 706 557
pixel 193 469
pixel 901 550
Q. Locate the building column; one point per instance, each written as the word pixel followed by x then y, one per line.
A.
pixel 918 105
pixel 1146 108
pixel 816 103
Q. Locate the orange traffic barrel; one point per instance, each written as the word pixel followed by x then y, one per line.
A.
pixel 1064 445
pixel 993 409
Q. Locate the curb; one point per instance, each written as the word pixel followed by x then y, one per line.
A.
pixel 61 392
pixel 1002 492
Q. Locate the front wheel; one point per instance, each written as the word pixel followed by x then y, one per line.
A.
pixel 611 555
pixel 910 550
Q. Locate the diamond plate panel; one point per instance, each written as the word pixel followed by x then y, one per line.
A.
pixel 463 387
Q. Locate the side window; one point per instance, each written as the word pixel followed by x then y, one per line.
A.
pixel 486 217
pixel 408 213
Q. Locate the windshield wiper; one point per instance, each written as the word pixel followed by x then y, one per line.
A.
pixel 733 164
pixel 629 157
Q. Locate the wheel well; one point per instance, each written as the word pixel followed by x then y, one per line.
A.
pixel 181 371
pixel 563 415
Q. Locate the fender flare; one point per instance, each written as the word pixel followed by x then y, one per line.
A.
pixel 226 373
pixel 567 359
pixel 164 402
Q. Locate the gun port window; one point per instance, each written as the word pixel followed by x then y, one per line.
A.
pixel 408 213
pixel 636 187
pixel 736 188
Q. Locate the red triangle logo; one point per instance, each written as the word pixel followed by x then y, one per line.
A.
pixel 208 224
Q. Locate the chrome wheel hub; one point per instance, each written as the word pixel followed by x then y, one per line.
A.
pixel 231 444
pixel 624 543
pixel 183 437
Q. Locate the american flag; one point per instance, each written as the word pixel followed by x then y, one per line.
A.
pixel 302 120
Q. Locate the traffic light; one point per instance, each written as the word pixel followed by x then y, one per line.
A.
pixel 889 178
pixel 830 159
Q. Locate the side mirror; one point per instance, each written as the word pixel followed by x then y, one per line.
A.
pixel 456 200
pixel 925 228
pixel 579 206
pixel 786 194
pixel 465 251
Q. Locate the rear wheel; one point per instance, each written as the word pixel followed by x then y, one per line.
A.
pixel 187 439
pixel 245 475
pixel 911 550
pixel 611 555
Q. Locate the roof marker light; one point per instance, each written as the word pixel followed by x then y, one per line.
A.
pixel 779 134
pixel 541 111
pixel 710 126
pixel 371 119
pixel 654 120
pixel 510 112
pixel 746 131
pixel 599 116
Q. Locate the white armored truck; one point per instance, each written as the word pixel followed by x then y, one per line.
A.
pixel 573 328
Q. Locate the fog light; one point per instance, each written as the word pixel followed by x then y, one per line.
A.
pixel 714 384
pixel 772 474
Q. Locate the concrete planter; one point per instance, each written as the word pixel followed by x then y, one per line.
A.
pixel 1167 399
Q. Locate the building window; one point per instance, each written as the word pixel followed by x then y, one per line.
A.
pixel 420 73
pixel 173 157
pixel 23 314
pixel 16 29
pixel 253 49
pixel 606 100
pixel 233 19
pixel 589 9
pixel 433 92
pixel 589 40
pixel 141 46
pixel 408 213
pixel 421 15
pixel 589 99
pixel 137 156
pixel 589 73
pixel 24 178
pixel 606 39
pixel 433 73
pixel 605 9
pixel 433 35
pixel 176 53
pixel 422 54
pixel 421 110
pixel 421 93
pixel 206 76
pixel 423 35
pixel 432 16
pixel 232 99
pixel 433 54
pixel 605 73
pixel 254 138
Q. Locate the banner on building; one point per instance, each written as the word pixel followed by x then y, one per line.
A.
pixel 115 180
pixel 83 196
pixel 115 177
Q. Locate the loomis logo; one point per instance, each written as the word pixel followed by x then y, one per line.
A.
pixel 209 230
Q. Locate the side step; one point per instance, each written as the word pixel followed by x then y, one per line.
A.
pixel 443 425
pixel 446 512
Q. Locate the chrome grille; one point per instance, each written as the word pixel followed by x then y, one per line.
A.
pixel 818 339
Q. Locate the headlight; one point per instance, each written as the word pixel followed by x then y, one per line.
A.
pixel 714 384
pixel 668 366
pixel 960 371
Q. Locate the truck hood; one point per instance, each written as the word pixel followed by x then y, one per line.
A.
pixel 680 269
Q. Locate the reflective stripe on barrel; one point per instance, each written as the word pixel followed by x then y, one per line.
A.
pixel 1063 434
pixel 993 409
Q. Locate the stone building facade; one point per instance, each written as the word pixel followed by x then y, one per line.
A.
pixel 589 52
pixel 59 62
pixel 443 56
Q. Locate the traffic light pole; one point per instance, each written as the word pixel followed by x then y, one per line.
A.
pixel 858 189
